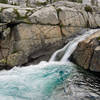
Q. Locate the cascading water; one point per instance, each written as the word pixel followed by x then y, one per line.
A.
pixel 71 46
pixel 53 80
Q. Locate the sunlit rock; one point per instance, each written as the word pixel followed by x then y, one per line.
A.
pixel 87 53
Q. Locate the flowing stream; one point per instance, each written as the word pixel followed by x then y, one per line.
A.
pixel 53 80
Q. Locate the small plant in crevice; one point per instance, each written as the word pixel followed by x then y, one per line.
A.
pixel 58 10
pixel 14 50
pixel 88 9
pixel 98 38
pixel 41 4
pixel 78 1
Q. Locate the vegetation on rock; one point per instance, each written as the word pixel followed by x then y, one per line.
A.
pixel 79 1
pixel 88 9
pixel 4 1
pixel 41 3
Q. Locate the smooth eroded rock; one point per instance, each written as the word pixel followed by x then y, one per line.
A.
pixel 70 17
pixel 87 53
pixel 46 15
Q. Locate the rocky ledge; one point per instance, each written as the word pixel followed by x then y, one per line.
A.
pixel 87 53
pixel 25 33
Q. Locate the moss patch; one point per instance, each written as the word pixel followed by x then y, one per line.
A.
pixel 21 18
pixel 1 9
pixel 3 61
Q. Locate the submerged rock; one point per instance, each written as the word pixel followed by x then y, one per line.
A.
pixel 87 53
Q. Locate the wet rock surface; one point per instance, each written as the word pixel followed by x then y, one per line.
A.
pixel 87 53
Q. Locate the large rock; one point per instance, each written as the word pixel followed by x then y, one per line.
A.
pixel 87 53
pixel 69 31
pixel 8 15
pixel 13 14
pixel 70 17
pixel 6 43
pixel 95 62
pixel 17 2
pixel 78 17
pixel 29 39
pixel 46 15
pixel 71 20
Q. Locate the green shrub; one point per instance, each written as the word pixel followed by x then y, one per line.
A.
pixel 78 1
pixel 41 3
pixel 88 9
pixel 98 38
pixel 4 1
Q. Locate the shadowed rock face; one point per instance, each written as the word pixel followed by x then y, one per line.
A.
pixel 87 53
pixel 29 30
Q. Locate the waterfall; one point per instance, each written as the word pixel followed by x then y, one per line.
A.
pixel 71 46
pixel 53 80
